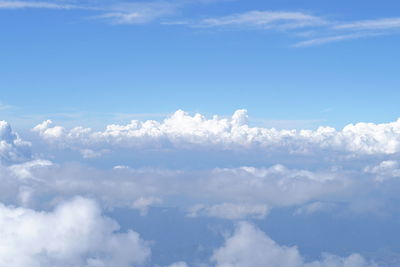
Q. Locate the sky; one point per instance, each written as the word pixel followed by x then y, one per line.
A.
pixel 199 133
pixel 302 63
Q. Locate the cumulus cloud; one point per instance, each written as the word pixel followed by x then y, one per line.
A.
pixel 74 234
pixel 183 130
pixel 249 246
pixel 12 147
pixel 339 173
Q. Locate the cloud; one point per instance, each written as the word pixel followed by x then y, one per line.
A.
pixel 74 234
pixel 293 22
pixel 117 13
pixel 139 12
pixel 178 264
pixel 12 147
pixel 314 207
pixel 229 193
pixel 143 204
pixel 355 165
pixel 249 246
pixel 35 4
pixel 266 20
pixel 387 169
pixel 185 131
pixel 335 38
pixel 230 211
pixel 5 106
pixel 377 24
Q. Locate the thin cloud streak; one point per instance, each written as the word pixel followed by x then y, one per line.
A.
pixel 378 24
pixel 331 39
pixel 265 19
pixel 291 22
pixel 37 5
pixel 138 13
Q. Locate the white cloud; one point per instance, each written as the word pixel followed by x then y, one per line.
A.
pixel 384 170
pixel 12 147
pixel 377 24
pixel 74 234
pixel 335 38
pixel 139 12
pixel 24 170
pixel 35 4
pixel 230 211
pixel 313 207
pixel 117 13
pixel 185 131
pixel 232 193
pixel 249 246
pixel 266 20
pixel 143 204
pixel 337 171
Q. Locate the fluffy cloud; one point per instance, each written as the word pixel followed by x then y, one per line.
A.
pixel 12 148
pixel 74 234
pixel 249 246
pixel 184 131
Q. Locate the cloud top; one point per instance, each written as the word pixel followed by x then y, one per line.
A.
pixel 181 130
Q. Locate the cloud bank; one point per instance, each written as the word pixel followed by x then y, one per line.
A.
pixel 356 171
pixel 184 130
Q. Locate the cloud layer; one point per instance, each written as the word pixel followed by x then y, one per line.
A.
pixel 342 172
pixel 183 130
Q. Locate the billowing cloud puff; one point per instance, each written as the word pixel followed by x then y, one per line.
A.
pixel 12 148
pixel 249 246
pixel 184 131
pixel 74 234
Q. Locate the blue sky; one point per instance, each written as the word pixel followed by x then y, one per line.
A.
pixel 90 65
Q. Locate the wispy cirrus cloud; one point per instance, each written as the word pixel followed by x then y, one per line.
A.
pixel 307 28
pixel 335 38
pixel 266 20
pixel 138 13
pixel 378 24
pixel 114 13
pixel 36 4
